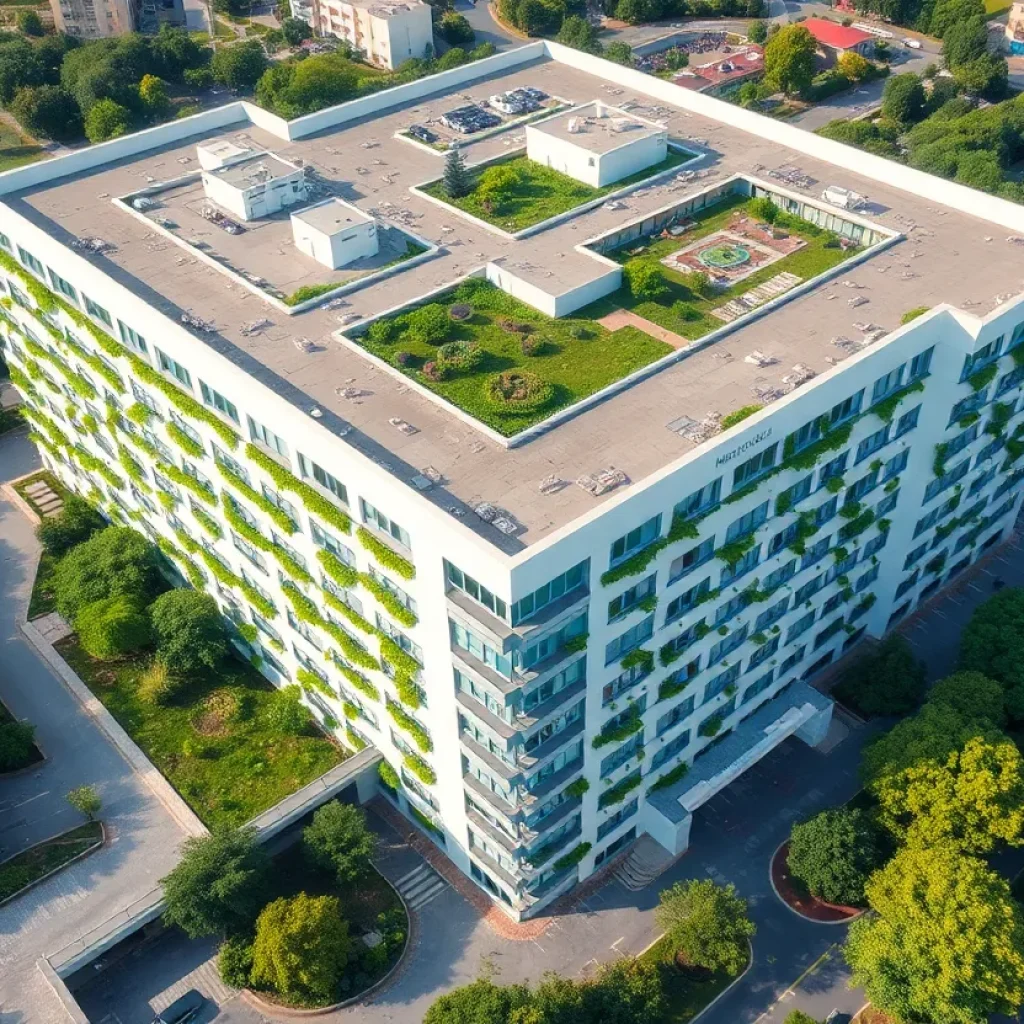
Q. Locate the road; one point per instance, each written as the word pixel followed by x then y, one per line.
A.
pixel 143 838
pixel 487 30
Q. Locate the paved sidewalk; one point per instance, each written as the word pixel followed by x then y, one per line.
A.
pixel 144 839
pixel 624 318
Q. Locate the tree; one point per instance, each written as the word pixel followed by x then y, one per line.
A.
pixel 480 1002
pixel 338 840
pixel 302 945
pixel 218 884
pixel 107 120
pixel 707 924
pixel 48 112
pixel 645 280
pixel 16 745
pixel 153 96
pixel 234 961
pixel 887 680
pixel 76 522
pixel 853 66
pixel 457 179
pixel 903 99
pixel 295 31
pixel 112 627
pixel 624 992
pixel 945 942
pixel 965 41
pixel 947 13
pixel 620 53
pixel 189 631
pixel 239 66
pixel 30 23
pixel 835 853
pixel 455 29
pixel 19 68
pixel 85 800
pixel 763 208
pixel 757 31
pixel 115 562
pixel 993 644
pixel 986 76
pixel 972 696
pixel 579 33
pixel 637 12
pixel 176 51
pixel 497 185
pixel 789 60
pixel 799 1017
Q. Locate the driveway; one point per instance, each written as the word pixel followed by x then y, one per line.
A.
pixel 486 28
pixel 143 838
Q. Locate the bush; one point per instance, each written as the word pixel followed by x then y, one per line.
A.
pixel 764 209
pixel 835 853
pixel 157 685
pixel 403 358
pixel 107 120
pixel 16 745
pixel 461 355
pixel 993 642
pixel 234 961
pixel 429 324
pixel 707 923
pixel 460 311
pixel 886 681
pixel 116 562
pixel 77 522
pixel 799 1017
pixel 286 713
pixel 85 800
pixel 381 332
pixel 455 28
pixel 518 391
pixel 339 841
pixel 112 627
pixel 301 948
pixel 531 345
pixel 189 631
pixel 436 371
pixel 645 280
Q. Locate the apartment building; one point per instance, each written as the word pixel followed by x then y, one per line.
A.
pixel 386 32
pixel 568 638
pixel 95 19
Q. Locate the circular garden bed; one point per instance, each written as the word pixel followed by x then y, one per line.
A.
pixel 796 896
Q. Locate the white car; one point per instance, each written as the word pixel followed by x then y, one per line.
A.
pixel 914 44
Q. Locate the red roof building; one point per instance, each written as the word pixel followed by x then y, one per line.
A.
pixel 834 38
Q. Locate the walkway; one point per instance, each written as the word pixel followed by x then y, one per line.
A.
pixel 32 806
pixel 624 318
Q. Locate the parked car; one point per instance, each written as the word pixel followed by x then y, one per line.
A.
pixel 914 44
pixel 418 131
pixel 183 1009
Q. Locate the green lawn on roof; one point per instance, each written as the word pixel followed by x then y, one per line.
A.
pixel 543 192
pixel 579 356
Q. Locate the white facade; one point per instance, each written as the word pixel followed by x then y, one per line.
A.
pixel 94 19
pixel 387 33
pixel 255 186
pixel 596 144
pixel 335 233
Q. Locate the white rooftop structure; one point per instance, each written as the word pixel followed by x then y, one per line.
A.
pixel 335 233
pixel 255 185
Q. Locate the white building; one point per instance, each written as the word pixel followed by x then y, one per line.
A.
pixel 254 185
pixel 567 639
pixel 386 32
pixel 95 19
pixel 335 233
pixel 596 144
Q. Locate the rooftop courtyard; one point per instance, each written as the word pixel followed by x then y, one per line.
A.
pixel 944 254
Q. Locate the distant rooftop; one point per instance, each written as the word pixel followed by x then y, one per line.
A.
pixel 385 8
pixel 834 35
pixel 254 170
pixel 597 127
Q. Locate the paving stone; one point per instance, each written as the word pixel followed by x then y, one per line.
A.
pixel 37 487
pixel 53 512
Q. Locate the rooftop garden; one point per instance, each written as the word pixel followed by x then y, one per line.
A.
pixel 682 302
pixel 518 193
pixel 501 360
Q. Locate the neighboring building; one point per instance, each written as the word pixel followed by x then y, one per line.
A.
pixel 596 144
pixel 834 39
pixel 1015 30
pixel 95 19
pixel 568 639
pixel 386 32
pixel 720 73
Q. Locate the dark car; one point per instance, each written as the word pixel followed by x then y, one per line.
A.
pixel 182 1010
pixel 417 131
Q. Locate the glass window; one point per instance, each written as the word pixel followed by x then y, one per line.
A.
pixel 132 338
pixel 458 579
pixel 310 470
pixel 680 605
pixel 887 384
pixel 636 539
pixel 330 543
pixel 921 363
pixel 31 262
pixel 690 560
pixel 173 367
pixel 629 599
pixel 267 438
pixel 556 587
pixel 630 640
pixel 94 309
pixel 470 642
pixel 217 401
pixel 64 287
pixel 706 497
pixel 907 421
pixel 747 523
pixel 376 518
pixel 872 443
pixel 754 467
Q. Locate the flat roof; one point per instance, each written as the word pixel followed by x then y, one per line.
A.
pixel 331 216
pixel 597 127
pixel 947 255
pixel 254 170
pixel 831 33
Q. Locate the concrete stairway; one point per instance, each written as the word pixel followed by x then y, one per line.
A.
pixel 420 886
pixel 646 861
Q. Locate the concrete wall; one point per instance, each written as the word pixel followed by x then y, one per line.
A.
pixel 595 169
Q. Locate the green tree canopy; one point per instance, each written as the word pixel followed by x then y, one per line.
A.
pixel 455 28
pixel 834 854
pixel 153 96
pixel 30 23
pixel 620 53
pixel 789 60
pixel 240 65
pixel 579 33
pixel 757 31
pixel 480 1002
pixel 458 181
pixel 971 695
pixel 903 99
pixel 295 31
pixel 301 948
pixel 339 840
pixel 217 886
pixel 645 280
pixel 886 680
pixel 115 562
pixel 965 41
pixel 75 523
pixel 107 120
pixel 189 631
pixel 992 643
pixel 945 942
pixel 707 923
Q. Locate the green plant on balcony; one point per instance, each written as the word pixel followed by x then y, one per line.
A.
pixel 670 778
pixel 892 485
pixel 248 632
pixel 342 574
pixel 573 857
pixel 857 526
pixel 629 723
pixel 281 518
pixel 982 378
pixel 638 658
pixel 636 563
pixel 723 630
pixel 139 414
pixel 834 484
pixel 730 690
pixel 834 438
pixel 840 553
pixel 311 681
pixel 701 630
pixel 408 692
pixel 732 552
pixel 784 502
pixel 385 555
pixel 672 687
pixel 999 417
pixel 575 644
pixel 886 408
pixel 968 419
pixel 711 726
pixel 577 788
pixel 648 604
pixel 208 523
pixel 406 722
pixel 346 610
pixel 399 659
pixel 390 601
pixel 187 444
pixel 350 709
pixel 419 768
pixel 760 639
pixel 617 793
pixel 307 611
pixel 168 501
pixel 355 741
pixel 683 528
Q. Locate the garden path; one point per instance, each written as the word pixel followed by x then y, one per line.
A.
pixel 624 318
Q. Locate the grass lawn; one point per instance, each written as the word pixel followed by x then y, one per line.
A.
pixel 41 602
pixel 576 366
pixel 17 149
pixel 39 860
pixel 228 767
pixel 543 193
pixel 686 996
pixel 810 261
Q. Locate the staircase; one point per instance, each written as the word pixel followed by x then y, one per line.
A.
pixel 646 861
pixel 420 886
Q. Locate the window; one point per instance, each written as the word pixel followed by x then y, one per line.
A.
pixel 229 463
pixel 779 576
pixel 680 605
pixel 886 385
pixel 815 553
pixel 745 564
pixel 921 363
pixel 690 560
pixel 635 540
pixel 801 626
pixel 407 645
pixel 630 640
pixel 95 310
pixel 217 401
pixel 5 242
pixel 556 587
pixel 968 405
pixel 671 749
pixel 795 494
pixel 174 368
pixel 468 641
pixel 757 687
pixel 763 653
pixel 629 599
pixel 747 523
pixel 725 646
pixel 31 262
pixel 908 421
pixel 1010 380
pixel 64 287
pixel 845 409
pixel 836 467
pixel 861 487
pixel 461 581
pixel 261 435
pixel 701 500
pixel 981 358
pixel 792 661
pixel 871 444
pixel 382 523
pixel 896 464
pixel 250 552
pixel 132 338
pixel 754 467
pixel 771 615
pixel 680 712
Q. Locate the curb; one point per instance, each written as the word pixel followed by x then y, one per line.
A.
pixel 126 747
pixel 49 874
pixel 18 501
pixel 725 991
pixel 792 909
